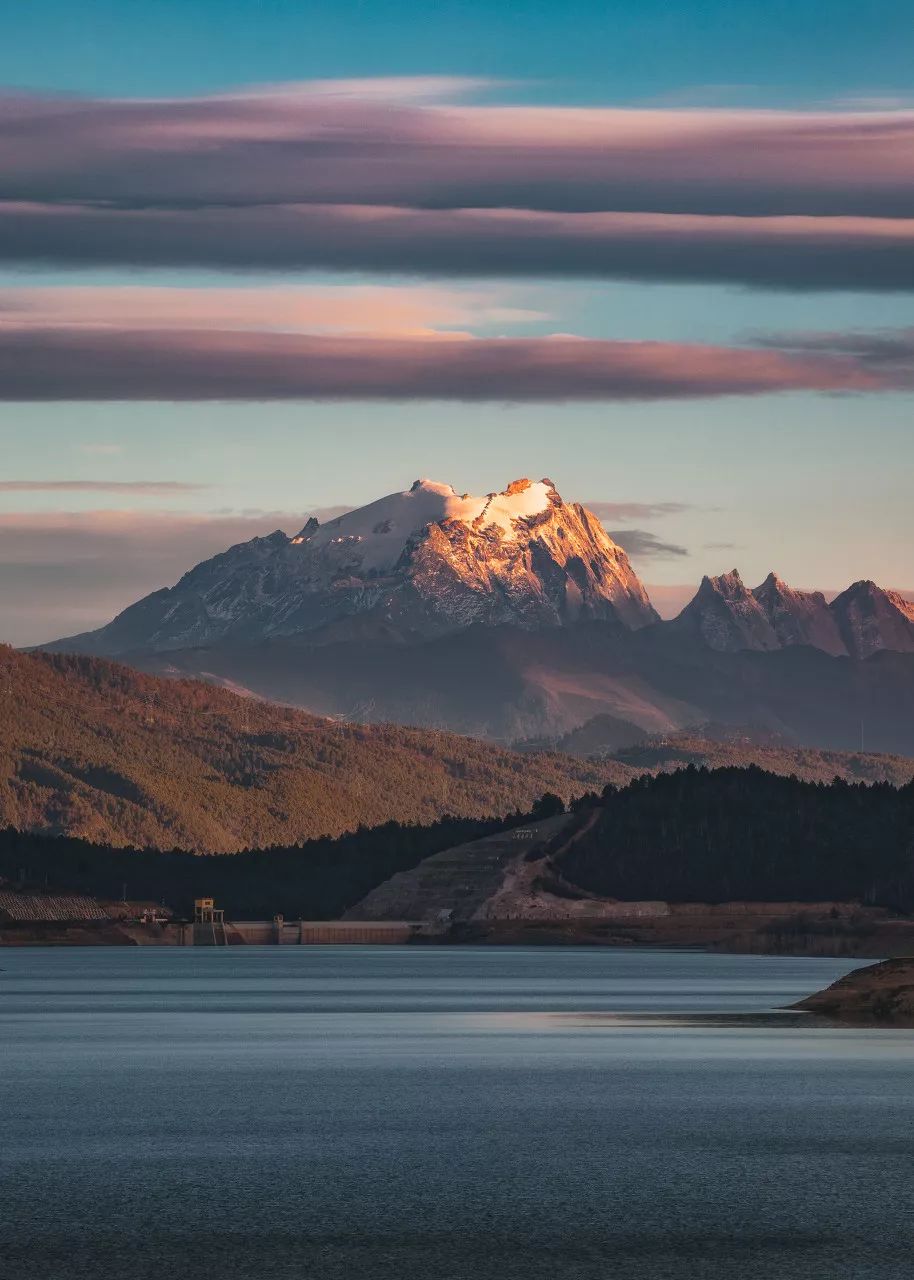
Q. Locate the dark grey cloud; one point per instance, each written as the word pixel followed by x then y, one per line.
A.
pixel 888 350
pixel 801 253
pixel 305 178
pixel 636 510
pixel 100 364
pixel 324 514
pixel 641 544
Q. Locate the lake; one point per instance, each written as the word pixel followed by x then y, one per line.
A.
pixel 448 1113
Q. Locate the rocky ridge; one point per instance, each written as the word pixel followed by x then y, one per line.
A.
pixel 728 616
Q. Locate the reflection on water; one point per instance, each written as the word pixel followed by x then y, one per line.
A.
pixel 402 1112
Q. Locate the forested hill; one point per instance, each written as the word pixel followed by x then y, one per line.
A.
pixel 316 880
pixel 731 834
pixel 719 747
pixel 94 749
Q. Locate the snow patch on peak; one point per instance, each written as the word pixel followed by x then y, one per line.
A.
pixel 376 535
pixel 521 500
pixel 424 485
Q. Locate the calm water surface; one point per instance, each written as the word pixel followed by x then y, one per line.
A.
pixel 358 1112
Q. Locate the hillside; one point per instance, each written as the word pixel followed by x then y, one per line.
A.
pixel 881 994
pixel 315 879
pixel 713 748
pixel 91 748
pixel 742 834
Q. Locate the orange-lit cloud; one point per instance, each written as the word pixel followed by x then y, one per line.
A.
pixel 372 310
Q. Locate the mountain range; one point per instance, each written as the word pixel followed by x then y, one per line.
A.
pixel 861 621
pixel 515 615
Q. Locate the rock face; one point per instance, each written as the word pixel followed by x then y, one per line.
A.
pixel 728 616
pixel 799 617
pixel 413 565
pixel 870 619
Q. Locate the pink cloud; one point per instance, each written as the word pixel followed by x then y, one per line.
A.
pixel 90 364
pixel 375 310
pixel 389 175
pixel 157 488
pixel 308 144
pixel 62 572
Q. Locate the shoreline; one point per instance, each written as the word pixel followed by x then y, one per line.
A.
pixel 878 995
pixel 742 934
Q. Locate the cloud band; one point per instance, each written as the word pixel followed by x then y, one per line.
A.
pixel 92 364
pixel 311 177
pixel 802 253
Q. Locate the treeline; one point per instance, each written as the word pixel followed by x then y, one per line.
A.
pixel 721 835
pixel 315 880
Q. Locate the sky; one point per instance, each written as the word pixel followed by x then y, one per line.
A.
pixel 259 260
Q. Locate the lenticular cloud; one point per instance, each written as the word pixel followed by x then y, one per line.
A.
pixel 92 364
pixel 379 178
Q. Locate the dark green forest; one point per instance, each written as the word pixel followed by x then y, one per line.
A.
pixel 698 835
pixel 316 880
pixel 722 835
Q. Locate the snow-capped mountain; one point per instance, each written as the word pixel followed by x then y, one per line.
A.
pixel 413 565
pixel 729 616
pixel 515 615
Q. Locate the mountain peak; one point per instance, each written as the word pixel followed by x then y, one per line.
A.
pixel 432 486
pixel 728 585
pixel 411 565
pixel 865 618
pixel 862 587
pixel 726 616
pixel 772 583
pixel 871 618
pixel 729 616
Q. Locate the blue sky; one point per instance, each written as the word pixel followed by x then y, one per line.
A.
pixel 812 484
pixel 598 51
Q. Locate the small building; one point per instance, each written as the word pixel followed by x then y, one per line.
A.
pixel 206 911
